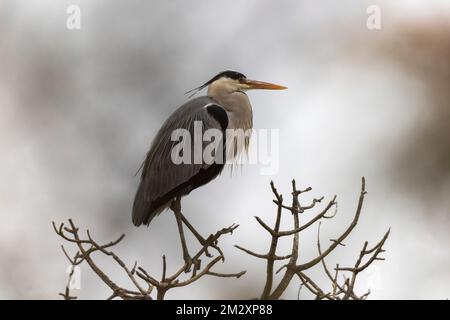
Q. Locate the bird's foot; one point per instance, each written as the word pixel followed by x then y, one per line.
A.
pixel 205 244
pixel 212 242
pixel 189 262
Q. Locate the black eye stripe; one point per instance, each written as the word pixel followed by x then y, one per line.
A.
pixel 228 73
pixel 231 74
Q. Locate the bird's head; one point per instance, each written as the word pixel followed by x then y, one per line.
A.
pixel 232 81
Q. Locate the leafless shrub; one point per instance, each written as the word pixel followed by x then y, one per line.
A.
pixel 148 287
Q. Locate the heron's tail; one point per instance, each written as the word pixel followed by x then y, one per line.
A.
pixel 145 210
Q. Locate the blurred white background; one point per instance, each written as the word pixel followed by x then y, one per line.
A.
pixel 78 110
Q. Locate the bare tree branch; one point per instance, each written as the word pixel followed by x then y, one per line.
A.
pixel 143 283
pixel 293 268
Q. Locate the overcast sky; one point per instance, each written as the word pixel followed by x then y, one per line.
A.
pixel 79 109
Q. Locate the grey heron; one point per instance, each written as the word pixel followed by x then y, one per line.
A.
pixel 163 182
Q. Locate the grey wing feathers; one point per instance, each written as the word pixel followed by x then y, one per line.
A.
pixel 160 175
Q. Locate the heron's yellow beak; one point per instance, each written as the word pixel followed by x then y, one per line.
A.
pixel 253 84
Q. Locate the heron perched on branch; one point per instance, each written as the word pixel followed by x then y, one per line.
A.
pixel 164 181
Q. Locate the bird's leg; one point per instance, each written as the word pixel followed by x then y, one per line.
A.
pixel 176 208
pixel 196 234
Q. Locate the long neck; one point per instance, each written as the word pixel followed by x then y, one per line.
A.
pixel 236 104
pixel 240 116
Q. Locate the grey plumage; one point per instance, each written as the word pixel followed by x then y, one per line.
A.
pixel 161 179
